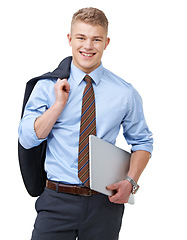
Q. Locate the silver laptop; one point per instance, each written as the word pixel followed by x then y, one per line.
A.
pixel 108 165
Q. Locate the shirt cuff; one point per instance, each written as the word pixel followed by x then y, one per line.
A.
pixel 147 148
pixel 27 135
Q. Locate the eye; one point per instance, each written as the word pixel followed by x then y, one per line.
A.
pixel 80 38
pixel 97 40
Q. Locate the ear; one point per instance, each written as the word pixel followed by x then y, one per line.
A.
pixel 107 42
pixel 69 39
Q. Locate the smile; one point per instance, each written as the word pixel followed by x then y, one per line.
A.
pixel 87 54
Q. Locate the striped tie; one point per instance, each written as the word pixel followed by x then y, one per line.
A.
pixel 87 127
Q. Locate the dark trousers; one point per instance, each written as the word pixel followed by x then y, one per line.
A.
pixel 64 216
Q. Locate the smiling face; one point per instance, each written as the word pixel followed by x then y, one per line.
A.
pixel 88 43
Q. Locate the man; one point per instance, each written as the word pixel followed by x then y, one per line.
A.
pixel 55 112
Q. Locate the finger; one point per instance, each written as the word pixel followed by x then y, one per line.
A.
pixel 66 85
pixel 63 83
pixel 115 198
pixel 59 79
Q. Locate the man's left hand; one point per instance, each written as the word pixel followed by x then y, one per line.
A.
pixel 123 190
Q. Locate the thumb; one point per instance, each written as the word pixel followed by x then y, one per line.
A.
pixel 112 187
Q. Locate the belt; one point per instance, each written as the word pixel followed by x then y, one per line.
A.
pixel 71 189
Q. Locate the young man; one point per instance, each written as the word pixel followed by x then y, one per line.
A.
pixel 55 112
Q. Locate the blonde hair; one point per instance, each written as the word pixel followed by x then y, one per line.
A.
pixel 92 16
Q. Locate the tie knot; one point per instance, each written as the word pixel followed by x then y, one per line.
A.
pixel 88 79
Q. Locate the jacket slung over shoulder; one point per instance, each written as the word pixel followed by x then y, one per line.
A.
pixel 31 161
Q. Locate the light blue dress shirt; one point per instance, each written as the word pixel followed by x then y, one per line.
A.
pixel 117 102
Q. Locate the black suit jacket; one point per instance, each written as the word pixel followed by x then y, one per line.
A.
pixel 32 160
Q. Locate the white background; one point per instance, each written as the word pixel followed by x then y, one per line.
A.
pixel 149 49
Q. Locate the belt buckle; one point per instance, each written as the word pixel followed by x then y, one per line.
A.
pixel 89 193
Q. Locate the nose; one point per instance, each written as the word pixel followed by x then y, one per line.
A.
pixel 88 45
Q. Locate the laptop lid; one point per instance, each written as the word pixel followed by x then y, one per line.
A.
pixel 108 165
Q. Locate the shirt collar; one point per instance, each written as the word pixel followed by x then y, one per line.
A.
pixel 78 75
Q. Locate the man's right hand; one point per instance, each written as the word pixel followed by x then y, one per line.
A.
pixel 62 89
pixel 46 121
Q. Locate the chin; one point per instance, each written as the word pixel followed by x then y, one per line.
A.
pixel 86 65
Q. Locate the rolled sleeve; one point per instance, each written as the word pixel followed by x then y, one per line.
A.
pixel 27 134
pixel 135 129
pixel 35 107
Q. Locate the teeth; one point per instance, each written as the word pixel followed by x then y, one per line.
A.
pixel 87 54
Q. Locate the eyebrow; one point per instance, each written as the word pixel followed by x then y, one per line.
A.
pixel 79 34
pixel 82 35
pixel 98 37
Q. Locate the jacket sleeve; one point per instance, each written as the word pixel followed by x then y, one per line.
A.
pixel 37 104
